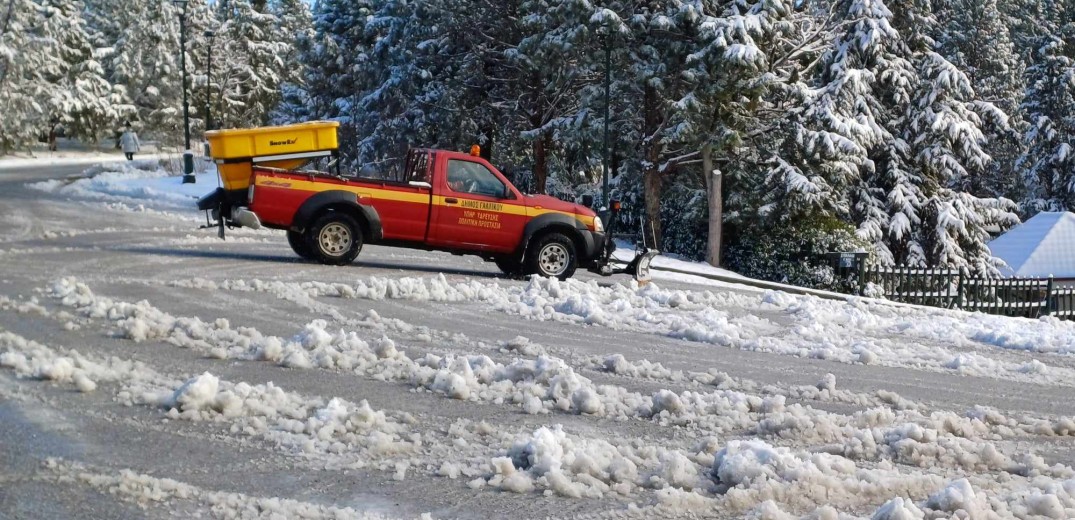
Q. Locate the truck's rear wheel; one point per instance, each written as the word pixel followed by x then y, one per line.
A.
pixel 298 244
pixel 334 238
pixel 552 255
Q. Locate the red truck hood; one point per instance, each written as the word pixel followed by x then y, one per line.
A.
pixel 553 203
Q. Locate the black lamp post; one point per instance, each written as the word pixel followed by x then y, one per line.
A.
pixel 608 103
pixel 188 156
pixel 209 80
pixel 608 33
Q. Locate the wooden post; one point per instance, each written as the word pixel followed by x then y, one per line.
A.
pixel 959 291
pixel 1049 306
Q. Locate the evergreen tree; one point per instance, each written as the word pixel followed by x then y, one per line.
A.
pixel 977 41
pixel 253 62
pixel 1049 162
pixel 82 100
pixel 137 45
pixel 23 84
pixel 894 130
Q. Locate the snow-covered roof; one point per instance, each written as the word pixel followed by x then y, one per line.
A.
pixel 1042 246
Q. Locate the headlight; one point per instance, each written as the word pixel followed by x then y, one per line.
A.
pixel 598 226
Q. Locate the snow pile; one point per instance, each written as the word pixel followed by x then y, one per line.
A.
pixel 575 467
pixel 144 489
pixel 139 183
pixel 856 331
pixel 845 460
pixel 547 384
pixel 31 359
pixel 1046 498
pixel 1045 335
pixel 437 289
pixel 750 471
pixel 523 346
pixel 617 364
pixel 959 496
pixel 898 509
pixel 299 423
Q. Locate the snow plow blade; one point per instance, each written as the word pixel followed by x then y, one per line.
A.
pixel 638 267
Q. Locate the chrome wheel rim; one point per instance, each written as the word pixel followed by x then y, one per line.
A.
pixel 335 239
pixel 553 259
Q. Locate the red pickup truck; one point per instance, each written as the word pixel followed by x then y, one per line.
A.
pixel 437 200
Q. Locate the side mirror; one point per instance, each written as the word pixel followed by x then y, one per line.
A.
pixel 587 200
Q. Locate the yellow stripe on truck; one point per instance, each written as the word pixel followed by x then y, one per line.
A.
pixel 419 198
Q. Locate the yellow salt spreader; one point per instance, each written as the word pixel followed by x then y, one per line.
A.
pixel 237 151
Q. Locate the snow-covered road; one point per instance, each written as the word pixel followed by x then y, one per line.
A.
pixel 148 369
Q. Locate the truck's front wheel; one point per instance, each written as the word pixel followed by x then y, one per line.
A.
pixel 552 255
pixel 509 265
pixel 334 238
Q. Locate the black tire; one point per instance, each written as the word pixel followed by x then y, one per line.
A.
pixel 509 265
pixel 298 244
pixel 552 255
pixel 334 238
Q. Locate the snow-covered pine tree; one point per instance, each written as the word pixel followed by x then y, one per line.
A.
pixel 661 38
pixel 845 142
pixel 1029 21
pixel 1049 161
pixel 747 53
pixel 252 62
pixel 557 55
pixel 894 129
pixel 137 45
pixel 400 105
pixel 82 99
pixel 945 125
pixel 977 41
pixel 32 60
pixel 295 20
pixel 336 69
pixel 201 17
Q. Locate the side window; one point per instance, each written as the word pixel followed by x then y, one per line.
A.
pixel 417 167
pixel 471 177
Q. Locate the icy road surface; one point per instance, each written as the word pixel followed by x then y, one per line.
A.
pixel 148 369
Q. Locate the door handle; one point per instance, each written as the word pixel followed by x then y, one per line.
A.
pixel 451 200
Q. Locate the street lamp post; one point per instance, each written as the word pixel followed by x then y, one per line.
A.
pixel 209 80
pixel 188 156
pixel 608 103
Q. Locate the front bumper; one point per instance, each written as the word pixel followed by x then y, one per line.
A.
pixel 593 243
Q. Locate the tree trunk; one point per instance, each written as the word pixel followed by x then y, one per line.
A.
pixel 651 183
pixel 541 162
pixel 651 175
pixel 487 146
pixel 714 198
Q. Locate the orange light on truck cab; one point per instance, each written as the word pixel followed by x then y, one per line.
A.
pixel 616 205
pixel 475 150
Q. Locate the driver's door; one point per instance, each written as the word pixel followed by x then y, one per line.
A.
pixel 475 209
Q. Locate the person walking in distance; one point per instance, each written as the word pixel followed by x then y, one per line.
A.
pixel 129 142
